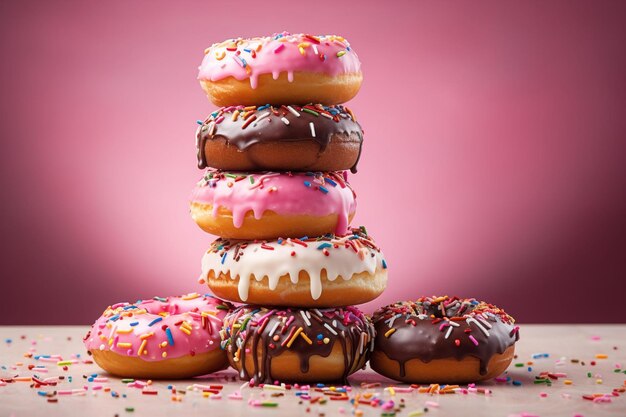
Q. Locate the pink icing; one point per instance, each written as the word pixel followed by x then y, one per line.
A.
pixel 122 325
pixel 282 193
pixel 283 52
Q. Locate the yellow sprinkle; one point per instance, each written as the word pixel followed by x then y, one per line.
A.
pixel 124 345
pixel 235 115
pixel 163 344
pixel 142 347
pixel 601 356
pixel 305 337
pixel 191 296
pixel 567 382
pixel 326 340
pixel 123 331
pixel 598 381
pixel 290 342
pixel 219 55
pixel 164 354
pixel 185 330
pixel 390 332
pixel 392 391
pixel 64 363
pixel 146 335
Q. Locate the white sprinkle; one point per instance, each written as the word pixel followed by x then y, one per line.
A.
pixel 315 49
pixel 326 115
pixel 480 326
pixel 334 323
pixel 361 340
pixel 484 321
pixel 261 117
pixel 293 111
pixel 285 121
pixel 449 331
pixel 305 318
pixel 312 126
pixel 316 311
pixel 274 329
pixel 453 323
pixel 330 329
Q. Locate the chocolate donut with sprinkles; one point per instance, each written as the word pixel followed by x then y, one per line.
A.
pixel 160 338
pixel 269 345
pixel 280 138
pixel 443 339
pixel 326 271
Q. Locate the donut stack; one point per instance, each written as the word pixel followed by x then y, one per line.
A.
pixel 275 189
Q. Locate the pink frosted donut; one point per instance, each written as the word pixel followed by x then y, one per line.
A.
pixel 160 338
pixel 282 68
pixel 267 205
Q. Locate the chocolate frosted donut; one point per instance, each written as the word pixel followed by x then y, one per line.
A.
pixel 442 339
pixel 297 344
pixel 284 138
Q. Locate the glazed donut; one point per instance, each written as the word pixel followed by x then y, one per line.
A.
pixel 160 338
pixel 327 271
pixel 443 339
pixel 285 138
pixel 282 68
pixel 297 344
pixel 266 205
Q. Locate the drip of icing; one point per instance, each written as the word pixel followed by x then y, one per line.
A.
pixel 263 334
pixel 249 58
pixel 339 256
pixel 282 193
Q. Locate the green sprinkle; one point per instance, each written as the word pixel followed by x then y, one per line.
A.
pixel 251 178
pixel 340 54
pixel 269 404
pixel 304 109
pixel 64 363
pixel 129 409
pixel 588 374
pixel 221 307
pixel 519 365
pixel 127 380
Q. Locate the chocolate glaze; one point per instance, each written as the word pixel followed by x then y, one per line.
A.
pixel 269 332
pixel 245 126
pixel 421 328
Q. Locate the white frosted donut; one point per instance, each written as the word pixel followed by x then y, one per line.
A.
pixel 332 270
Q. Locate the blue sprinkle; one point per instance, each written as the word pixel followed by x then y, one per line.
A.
pixel 170 339
pixel 304 238
pixel 263 107
pixel 324 245
pixel 214 114
pixel 331 182
pixel 530 369
pixel 134 323
pixel 155 321
pixel 517 383
pixel 115 317
pixel 224 257
pixel 320 385
pixel 324 189
pixel 320 336
pixel 8 340
pixel 540 355
pixel 90 379
pixel 307 184
pixel 42 393
pixel 200 122
pixel 384 264
pixel 248 50
pixel 280 241
pixel 129 308
pixel 123 395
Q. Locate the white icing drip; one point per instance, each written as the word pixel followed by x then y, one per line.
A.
pixel 273 264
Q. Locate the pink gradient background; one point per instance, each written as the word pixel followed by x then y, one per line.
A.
pixel 494 163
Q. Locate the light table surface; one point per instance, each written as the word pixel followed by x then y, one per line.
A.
pixel 584 360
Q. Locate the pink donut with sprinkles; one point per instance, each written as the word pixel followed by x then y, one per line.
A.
pixel 282 68
pixel 160 338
